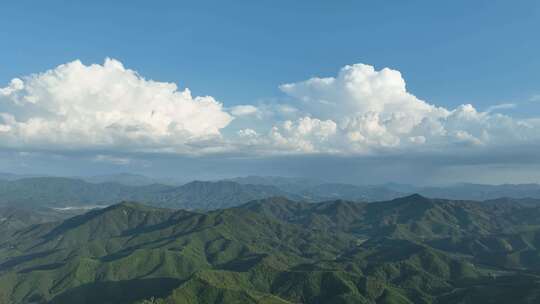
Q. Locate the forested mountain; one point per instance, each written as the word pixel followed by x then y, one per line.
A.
pixel 13 218
pixel 276 250
pixel 69 192
pixel 214 195
pixel 317 190
pixel 206 195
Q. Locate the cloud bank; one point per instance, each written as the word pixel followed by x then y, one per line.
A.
pixel 75 106
pixel 360 111
pixel 374 112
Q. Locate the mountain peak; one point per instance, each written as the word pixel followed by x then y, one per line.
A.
pixel 413 198
pixel 416 196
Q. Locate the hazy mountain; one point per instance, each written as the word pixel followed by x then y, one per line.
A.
pixel 62 192
pixel 482 192
pixel 124 179
pixel 8 176
pixel 316 190
pixel 203 195
pixel 408 250
pixel 330 191
pixel 12 176
pixel 319 190
pixel 130 179
pixel 289 184
pixel 214 195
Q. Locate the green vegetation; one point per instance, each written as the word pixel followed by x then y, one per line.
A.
pixel 69 192
pixel 408 250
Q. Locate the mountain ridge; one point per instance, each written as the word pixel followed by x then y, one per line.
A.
pixel 276 250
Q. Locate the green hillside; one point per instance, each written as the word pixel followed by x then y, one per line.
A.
pixel 408 250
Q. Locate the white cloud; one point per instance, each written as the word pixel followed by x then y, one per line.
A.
pixel 308 135
pixel 359 89
pixel 285 109
pixel 374 111
pixel 502 106
pixel 244 110
pixel 108 106
pixel 15 85
pixel 360 111
pixel 247 133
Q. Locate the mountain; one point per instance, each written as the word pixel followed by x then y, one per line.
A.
pixel 133 244
pixel 8 176
pixel 70 192
pixel 330 191
pixel 61 192
pixel 407 250
pixel 12 176
pixel 126 179
pixel 482 192
pixel 412 217
pixel 319 190
pixel 13 218
pixel 289 184
pixel 215 195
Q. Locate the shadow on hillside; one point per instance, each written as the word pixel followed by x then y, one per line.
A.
pixel 24 258
pixel 117 292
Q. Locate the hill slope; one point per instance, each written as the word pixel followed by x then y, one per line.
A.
pixel 408 250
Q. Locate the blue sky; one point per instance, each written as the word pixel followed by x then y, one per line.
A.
pixel 451 53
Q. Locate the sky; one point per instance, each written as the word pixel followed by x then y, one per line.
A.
pixel 354 91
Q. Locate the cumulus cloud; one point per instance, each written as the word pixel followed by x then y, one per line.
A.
pixel 502 106
pixel 244 110
pixel 107 106
pixel 360 111
pixel 373 111
pixel 247 133
pixel 360 89
pixel 304 135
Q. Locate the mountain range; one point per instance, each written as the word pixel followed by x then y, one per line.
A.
pixel 275 250
pixel 62 192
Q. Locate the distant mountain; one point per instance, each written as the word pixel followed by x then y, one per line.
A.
pixel 403 188
pixel 12 176
pixel 69 192
pixel 319 190
pixel 289 184
pixel 330 191
pixel 61 192
pixel 407 250
pixel 482 192
pixel 214 195
pixel 316 190
pixel 8 176
pixel 203 195
pixel 127 179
